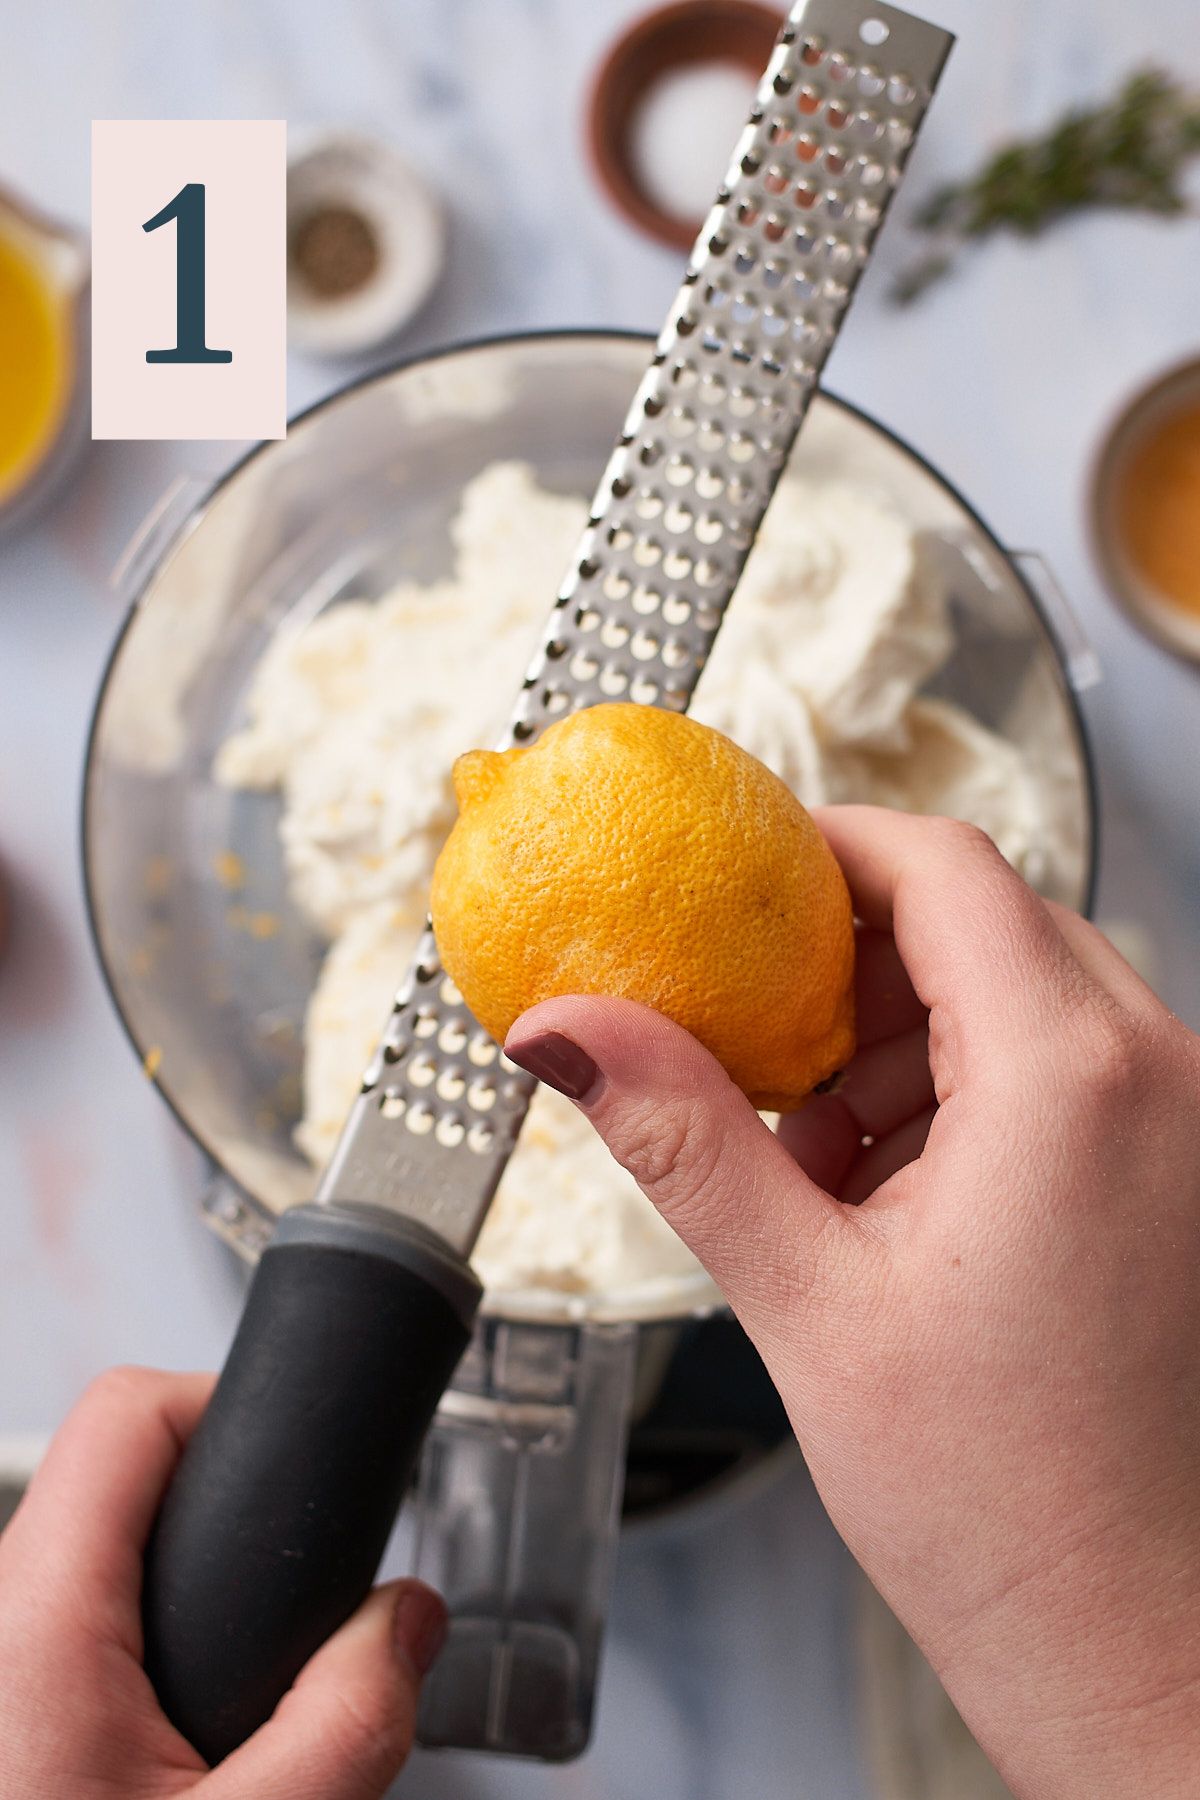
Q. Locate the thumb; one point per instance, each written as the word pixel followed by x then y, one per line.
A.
pixel 768 1236
pixel 345 1728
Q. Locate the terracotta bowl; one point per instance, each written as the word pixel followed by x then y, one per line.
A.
pixel 688 32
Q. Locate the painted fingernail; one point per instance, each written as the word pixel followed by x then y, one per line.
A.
pixel 558 1062
pixel 419 1626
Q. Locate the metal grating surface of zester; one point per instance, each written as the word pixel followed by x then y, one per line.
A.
pixel 714 418
pixel 675 515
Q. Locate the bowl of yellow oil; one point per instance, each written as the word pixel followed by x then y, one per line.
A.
pixel 43 355
pixel 1145 509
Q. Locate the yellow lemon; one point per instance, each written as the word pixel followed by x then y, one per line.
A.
pixel 636 853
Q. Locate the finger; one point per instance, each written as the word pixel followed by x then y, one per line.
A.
pixel 697 1149
pixel 885 1085
pixel 823 1139
pixel 976 941
pixel 885 1003
pixel 886 1157
pixel 83 1524
pixel 345 1728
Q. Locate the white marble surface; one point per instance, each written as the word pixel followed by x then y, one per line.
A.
pixel 729 1669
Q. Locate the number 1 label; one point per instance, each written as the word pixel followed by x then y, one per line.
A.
pixel 187 210
pixel 189 231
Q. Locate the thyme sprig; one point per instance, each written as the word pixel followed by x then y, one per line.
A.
pixel 1129 152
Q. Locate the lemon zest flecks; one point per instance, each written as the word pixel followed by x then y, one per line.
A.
pixel 229 869
pixel 156 876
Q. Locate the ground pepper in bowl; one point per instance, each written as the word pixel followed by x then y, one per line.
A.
pixel 335 251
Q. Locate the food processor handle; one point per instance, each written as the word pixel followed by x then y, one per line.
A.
pixel 517 1518
pixel 278 1514
pixel 1079 658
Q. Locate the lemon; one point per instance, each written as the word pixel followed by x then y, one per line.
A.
pixel 636 853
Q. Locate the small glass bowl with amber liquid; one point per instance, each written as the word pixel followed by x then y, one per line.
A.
pixel 1145 509
pixel 44 278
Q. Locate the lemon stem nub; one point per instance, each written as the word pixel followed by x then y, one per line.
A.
pixel 475 774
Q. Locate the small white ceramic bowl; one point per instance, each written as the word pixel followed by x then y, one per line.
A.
pixel 367 176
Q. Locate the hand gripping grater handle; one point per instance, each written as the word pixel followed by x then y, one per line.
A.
pixel 270 1532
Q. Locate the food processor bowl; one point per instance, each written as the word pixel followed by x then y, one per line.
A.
pixel 210 964
pixel 211 978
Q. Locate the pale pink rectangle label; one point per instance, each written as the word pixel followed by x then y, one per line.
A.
pixel 222 184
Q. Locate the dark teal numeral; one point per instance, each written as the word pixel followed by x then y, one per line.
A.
pixel 187 209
